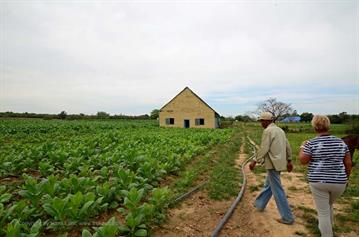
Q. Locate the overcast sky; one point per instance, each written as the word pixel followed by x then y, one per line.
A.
pixel 131 57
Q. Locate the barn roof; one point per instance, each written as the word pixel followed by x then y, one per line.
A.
pixel 187 88
pixel 291 119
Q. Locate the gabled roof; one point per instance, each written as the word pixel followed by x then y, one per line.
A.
pixel 187 88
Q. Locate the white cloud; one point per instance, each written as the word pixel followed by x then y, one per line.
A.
pixel 124 57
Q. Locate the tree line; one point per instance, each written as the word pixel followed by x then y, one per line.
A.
pixel 342 117
pixel 65 115
pixel 279 110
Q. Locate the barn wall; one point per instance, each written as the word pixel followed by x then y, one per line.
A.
pixel 187 106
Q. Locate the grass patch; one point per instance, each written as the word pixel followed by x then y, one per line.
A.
pixel 300 233
pixel 347 221
pixel 253 188
pixel 225 178
pixel 259 169
pixel 293 188
pixel 306 209
pixel 200 167
pixel 310 219
pixel 186 181
pixel 311 223
pixel 217 165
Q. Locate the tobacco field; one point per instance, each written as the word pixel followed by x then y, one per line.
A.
pixel 56 176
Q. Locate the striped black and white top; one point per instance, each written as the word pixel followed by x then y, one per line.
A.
pixel 326 164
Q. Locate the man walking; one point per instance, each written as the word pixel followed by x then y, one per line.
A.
pixel 275 153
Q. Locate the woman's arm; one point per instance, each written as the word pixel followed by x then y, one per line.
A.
pixel 304 158
pixel 348 164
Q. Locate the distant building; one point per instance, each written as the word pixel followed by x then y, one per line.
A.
pixel 188 110
pixel 292 119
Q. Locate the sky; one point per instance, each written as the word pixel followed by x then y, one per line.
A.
pixel 130 57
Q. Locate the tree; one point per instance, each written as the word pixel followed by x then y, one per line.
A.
pixel 155 114
pixel 344 117
pixel 62 115
pixel 294 113
pixel 306 117
pixel 277 108
pixel 102 114
pixel 243 118
pixel 335 118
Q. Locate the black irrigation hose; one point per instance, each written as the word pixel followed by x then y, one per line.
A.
pixel 183 196
pixel 235 203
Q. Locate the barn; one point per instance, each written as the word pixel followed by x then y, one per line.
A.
pixel 291 119
pixel 188 110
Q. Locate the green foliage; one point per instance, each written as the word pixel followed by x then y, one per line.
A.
pixel 71 171
pixel 62 115
pixel 224 181
pixel 306 117
pixel 16 229
pixel 137 214
pixel 5 197
pixel 160 200
pixel 109 229
pixel 32 190
pixel 154 114
pixel 102 114
pixel 354 127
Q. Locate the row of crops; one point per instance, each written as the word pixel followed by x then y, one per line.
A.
pixel 61 176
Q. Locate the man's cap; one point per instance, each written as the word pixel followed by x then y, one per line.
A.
pixel 266 116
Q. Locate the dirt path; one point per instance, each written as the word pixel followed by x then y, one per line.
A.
pixel 198 215
pixel 247 219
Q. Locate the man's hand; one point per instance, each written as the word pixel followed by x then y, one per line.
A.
pixel 289 166
pixel 252 165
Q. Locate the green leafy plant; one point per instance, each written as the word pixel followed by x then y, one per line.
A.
pixel 46 168
pixel 32 190
pixel 108 192
pixel 50 185
pixel 160 200
pixel 57 208
pixel 109 229
pixel 5 197
pixel 136 213
pixel 16 229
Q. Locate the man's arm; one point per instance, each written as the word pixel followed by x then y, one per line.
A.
pixel 264 147
pixel 263 150
pixel 289 156
pixel 288 151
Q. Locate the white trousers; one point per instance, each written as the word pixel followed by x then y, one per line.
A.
pixel 324 195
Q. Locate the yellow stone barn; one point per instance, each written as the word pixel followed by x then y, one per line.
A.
pixel 188 110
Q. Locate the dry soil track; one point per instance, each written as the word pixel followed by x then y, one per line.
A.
pixel 198 216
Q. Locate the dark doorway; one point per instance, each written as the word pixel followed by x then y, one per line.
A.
pixel 186 123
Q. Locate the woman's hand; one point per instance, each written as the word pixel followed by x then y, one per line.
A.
pixel 304 158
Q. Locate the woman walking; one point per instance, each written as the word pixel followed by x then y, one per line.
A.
pixel 329 166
